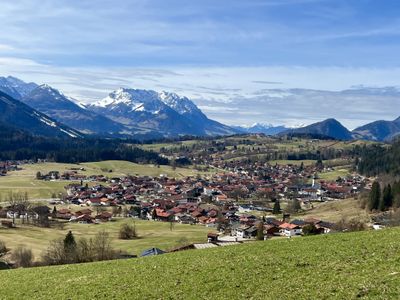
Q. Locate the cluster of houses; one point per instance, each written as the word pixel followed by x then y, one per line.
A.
pixel 85 215
pixel 187 201
pixel 72 175
pixel 255 182
pixel 8 166
pixel 249 226
pixel 296 180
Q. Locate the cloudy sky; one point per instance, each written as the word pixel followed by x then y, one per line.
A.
pixel 274 61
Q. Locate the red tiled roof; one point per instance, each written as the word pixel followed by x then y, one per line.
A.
pixel 288 226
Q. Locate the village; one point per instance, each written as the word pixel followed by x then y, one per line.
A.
pixel 238 203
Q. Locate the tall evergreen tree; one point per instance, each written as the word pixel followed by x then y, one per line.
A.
pixel 260 231
pixel 387 198
pixel 69 241
pixel 374 196
pixel 396 188
pixel 154 214
pixel 277 208
pixel 54 212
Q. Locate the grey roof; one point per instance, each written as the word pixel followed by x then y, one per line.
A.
pixel 152 251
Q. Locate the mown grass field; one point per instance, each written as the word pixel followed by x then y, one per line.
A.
pixel 151 234
pixel 25 180
pixel 333 175
pixel 363 265
pixel 336 210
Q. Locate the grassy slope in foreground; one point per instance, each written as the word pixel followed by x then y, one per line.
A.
pixel 341 266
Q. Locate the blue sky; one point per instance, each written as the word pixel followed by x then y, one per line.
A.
pixel 202 48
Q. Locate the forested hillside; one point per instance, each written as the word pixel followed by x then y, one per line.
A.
pixel 18 145
pixel 379 159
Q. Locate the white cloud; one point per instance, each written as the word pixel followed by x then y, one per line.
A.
pixel 4 47
pixel 15 62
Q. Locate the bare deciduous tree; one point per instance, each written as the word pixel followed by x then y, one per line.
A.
pixel 22 257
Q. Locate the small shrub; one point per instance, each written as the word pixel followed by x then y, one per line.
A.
pixel 3 248
pixel 22 257
pixel 350 225
pixel 310 229
pixel 127 232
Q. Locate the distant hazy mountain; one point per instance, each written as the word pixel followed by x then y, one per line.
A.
pixel 164 112
pixel 329 128
pixel 378 130
pixel 264 128
pixel 70 112
pixel 18 115
pixel 15 87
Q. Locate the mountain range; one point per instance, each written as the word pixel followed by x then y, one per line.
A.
pixel 143 114
pixel 383 131
pixel 68 111
pixel 162 112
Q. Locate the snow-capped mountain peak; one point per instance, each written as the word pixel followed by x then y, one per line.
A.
pixel 147 100
pixel 56 95
pixel 48 89
pixel 16 87
pixel 180 104
pixel 124 112
pixel 163 111
pixel 132 100
pixel 261 125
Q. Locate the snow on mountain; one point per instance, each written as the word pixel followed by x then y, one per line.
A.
pixel 328 128
pixel 180 104
pixel 69 111
pixel 264 128
pixel 165 112
pixel 22 87
pixel 124 112
pixel 15 87
pixel 298 125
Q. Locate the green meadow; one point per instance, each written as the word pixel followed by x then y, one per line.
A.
pixel 362 265
pixel 24 181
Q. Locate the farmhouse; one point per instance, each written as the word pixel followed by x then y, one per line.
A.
pixel 290 230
